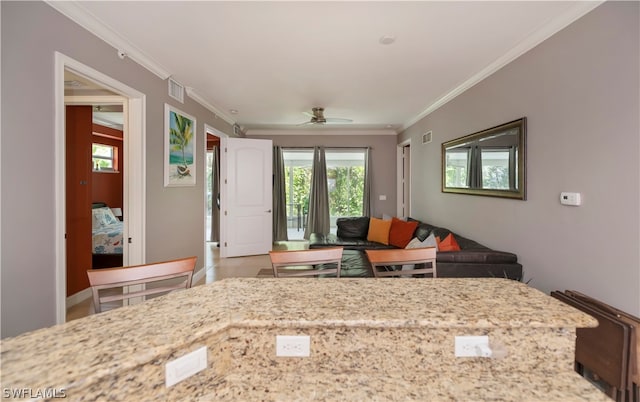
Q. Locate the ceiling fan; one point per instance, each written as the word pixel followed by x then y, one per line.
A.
pixel 317 117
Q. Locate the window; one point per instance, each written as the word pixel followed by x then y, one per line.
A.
pixel 297 166
pixel 104 158
pixel 345 184
pixel 495 169
pixel 457 165
pixel 345 180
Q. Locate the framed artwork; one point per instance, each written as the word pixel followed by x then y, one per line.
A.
pixel 179 148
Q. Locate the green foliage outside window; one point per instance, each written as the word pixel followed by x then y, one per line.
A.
pixel 345 185
pixel 102 157
pixel 495 177
pixel 456 176
pixel 346 191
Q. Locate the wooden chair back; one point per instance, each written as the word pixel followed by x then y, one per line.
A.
pixel 111 278
pixel 417 261
pixel 306 262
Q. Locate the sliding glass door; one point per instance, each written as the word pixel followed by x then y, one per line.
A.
pixel 345 183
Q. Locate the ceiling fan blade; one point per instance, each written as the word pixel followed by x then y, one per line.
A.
pixel 317 117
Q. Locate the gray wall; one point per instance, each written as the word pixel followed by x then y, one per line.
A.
pixel 579 92
pixel 31 32
pixel 383 159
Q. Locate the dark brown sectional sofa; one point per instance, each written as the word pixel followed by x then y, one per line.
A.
pixel 473 260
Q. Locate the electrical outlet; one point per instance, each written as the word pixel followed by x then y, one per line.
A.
pixel 472 346
pixel 185 366
pixel 293 345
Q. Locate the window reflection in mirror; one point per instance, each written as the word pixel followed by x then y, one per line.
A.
pixel 490 162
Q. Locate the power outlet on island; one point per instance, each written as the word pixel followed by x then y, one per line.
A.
pixel 184 367
pixel 293 345
pixel 472 346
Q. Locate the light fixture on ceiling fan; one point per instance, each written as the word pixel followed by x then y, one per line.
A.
pixel 317 117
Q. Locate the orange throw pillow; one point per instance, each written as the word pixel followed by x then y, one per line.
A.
pixel 401 232
pixel 448 244
pixel 379 230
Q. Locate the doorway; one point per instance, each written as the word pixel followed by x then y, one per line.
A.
pixel 95 214
pixel 404 178
pixel 212 198
pixel 133 157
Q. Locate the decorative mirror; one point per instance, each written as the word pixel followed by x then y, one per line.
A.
pixel 490 162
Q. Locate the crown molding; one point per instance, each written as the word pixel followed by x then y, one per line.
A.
pixel 78 14
pixel 342 132
pixel 535 38
pixel 82 17
pixel 191 93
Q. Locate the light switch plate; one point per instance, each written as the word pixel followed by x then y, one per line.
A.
pixel 572 199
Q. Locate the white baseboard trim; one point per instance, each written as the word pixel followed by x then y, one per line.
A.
pixel 198 275
pixel 79 297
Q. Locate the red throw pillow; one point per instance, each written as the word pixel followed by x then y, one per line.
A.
pixel 401 232
pixel 448 244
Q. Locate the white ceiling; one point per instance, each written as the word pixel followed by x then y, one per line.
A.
pixel 272 61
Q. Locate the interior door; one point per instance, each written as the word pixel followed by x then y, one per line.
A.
pixel 78 196
pixel 246 197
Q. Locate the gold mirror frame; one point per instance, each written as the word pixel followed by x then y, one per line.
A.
pixel 462 162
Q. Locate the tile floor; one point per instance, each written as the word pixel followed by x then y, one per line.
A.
pixel 216 269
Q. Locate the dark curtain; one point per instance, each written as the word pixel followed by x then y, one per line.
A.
pixel 475 168
pixel 279 197
pixel 215 195
pixel 318 218
pixel 366 197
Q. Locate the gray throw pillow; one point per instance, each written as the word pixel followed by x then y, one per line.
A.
pixel 430 241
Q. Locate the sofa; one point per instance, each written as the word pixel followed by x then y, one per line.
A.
pixel 471 260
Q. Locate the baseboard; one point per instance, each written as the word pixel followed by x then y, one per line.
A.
pixel 199 275
pixel 79 297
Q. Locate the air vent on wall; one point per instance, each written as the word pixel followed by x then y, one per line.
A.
pixel 236 130
pixel 176 90
pixel 426 137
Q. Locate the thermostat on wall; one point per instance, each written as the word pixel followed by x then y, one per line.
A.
pixel 570 199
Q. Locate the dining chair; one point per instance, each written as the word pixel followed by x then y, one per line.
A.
pixel 403 262
pixel 314 262
pixel 118 284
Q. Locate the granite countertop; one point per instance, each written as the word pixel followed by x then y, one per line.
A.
pixel 87 350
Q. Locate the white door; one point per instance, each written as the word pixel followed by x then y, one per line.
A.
pixel 245 197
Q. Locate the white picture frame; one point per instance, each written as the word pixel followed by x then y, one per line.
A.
pixel 179 148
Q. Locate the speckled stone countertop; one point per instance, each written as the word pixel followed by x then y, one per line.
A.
pixel 371 339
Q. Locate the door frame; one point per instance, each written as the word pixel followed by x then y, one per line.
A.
pixel 400 179
pixel 134 179
pixel 213 131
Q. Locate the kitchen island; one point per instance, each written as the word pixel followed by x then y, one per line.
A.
pixel 370 339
